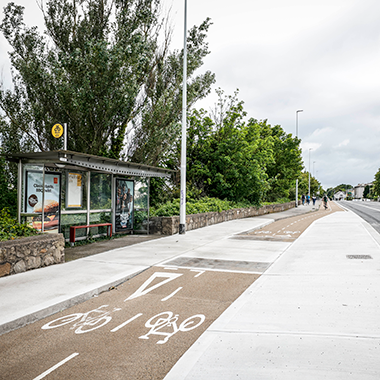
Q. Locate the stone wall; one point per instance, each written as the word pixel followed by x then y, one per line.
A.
pixel 33 252
pixel 169 225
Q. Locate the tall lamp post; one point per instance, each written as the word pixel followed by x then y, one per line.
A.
pixel 297 137
pixel 182 210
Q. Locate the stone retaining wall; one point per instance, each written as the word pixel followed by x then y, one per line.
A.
pixel 33 252
pixel 169 225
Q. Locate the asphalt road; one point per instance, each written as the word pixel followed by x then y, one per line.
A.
pixel 369 211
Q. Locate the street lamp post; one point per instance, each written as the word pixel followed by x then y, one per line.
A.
pixel 297 137
pixel 182 211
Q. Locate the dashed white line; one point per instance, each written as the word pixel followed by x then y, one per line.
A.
pixel 171 295
pixel 199 272
pixel 56 366
pixel 126 322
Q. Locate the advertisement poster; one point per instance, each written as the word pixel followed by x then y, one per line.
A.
pixel 74 190
pixel 124 205
pixel 33 199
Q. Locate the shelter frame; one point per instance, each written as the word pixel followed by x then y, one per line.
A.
pixel 65 162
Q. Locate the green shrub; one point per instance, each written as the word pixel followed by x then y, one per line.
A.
pixel 278 201
pixel 10 229
pixel 200 206
pixel 171 208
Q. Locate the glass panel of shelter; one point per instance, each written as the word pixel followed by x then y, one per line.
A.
pixel 96 209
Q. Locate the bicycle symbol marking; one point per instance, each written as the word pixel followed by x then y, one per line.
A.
pixel 165 324
pixel 92 320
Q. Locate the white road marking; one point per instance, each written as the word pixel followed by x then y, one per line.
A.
pixel 200 272
pixel 371 208
pixel 171 268
pixel 171 295
pixel 56 366
pixel 144 289
pixel 126 322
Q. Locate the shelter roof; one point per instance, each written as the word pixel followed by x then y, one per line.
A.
pixel 70 160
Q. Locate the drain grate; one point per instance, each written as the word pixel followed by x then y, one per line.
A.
pixel 359 257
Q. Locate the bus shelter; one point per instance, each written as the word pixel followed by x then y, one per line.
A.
pixel 60 189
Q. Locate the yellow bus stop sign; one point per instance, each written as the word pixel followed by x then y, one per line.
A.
pixel 57 131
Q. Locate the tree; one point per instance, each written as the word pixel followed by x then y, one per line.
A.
pixel 101 69
pixel 158 127
pixel 315 186
pixel 333 190
pixel 8 193
pixel 287 162
pixel 366 191
pixel 376 184
pixel 229 160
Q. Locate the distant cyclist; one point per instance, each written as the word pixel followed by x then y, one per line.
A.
pixel 325 199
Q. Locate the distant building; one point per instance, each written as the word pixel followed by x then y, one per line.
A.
pixel 340 196
pixel 359 190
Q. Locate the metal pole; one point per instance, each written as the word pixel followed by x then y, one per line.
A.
pixel 297 137
pixel 113 202
pixel 19 190
pixel 148 201
pixel 43 199
pixel 88 200
pixel 182 213
pixel 65 136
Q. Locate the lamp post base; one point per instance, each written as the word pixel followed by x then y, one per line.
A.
pixel 182 229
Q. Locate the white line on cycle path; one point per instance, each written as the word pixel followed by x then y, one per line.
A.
pixel 50 370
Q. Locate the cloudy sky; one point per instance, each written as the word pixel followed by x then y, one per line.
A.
pixel 284 55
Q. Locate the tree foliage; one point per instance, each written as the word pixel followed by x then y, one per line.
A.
pixel 230 157
pixel 228 163
pixel 333 190
pixel 303 185
pixel 286 164
pixel 376 184
pixel 157 127
pixel 8 192
pixel 101 69
pixel 366 191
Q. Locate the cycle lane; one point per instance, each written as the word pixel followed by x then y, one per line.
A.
pixel 139 329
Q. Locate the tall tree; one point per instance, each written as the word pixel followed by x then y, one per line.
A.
pixel 157 127
pixel 94 71
pixel 229 160
pixel 287 161
pixel 366 191
pixel 376 184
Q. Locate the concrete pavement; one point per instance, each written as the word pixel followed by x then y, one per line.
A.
pixel 313 314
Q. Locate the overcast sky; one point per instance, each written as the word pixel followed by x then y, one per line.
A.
pixel 319 56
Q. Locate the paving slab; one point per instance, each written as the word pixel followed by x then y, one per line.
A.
pixel 313 314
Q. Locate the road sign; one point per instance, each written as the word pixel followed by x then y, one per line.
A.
pixel 57 131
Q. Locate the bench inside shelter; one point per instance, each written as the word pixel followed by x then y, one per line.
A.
pixel 73 230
